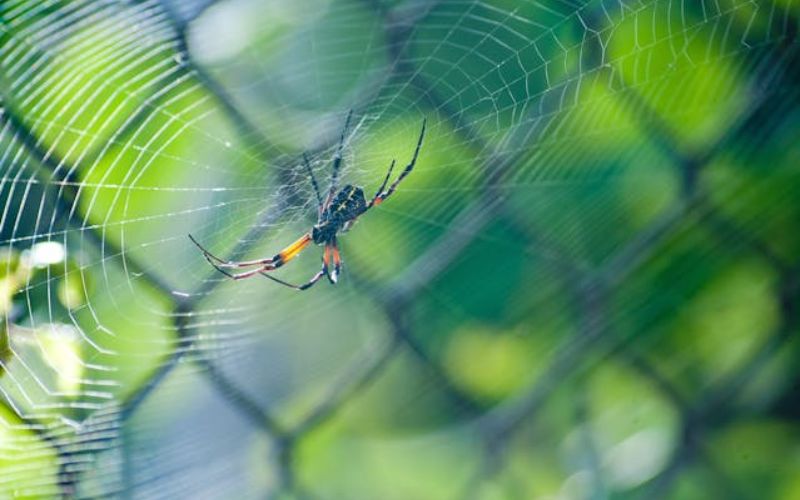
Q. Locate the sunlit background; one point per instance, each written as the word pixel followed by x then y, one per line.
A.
pixel 587 288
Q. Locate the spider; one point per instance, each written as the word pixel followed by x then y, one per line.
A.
pixel 336 214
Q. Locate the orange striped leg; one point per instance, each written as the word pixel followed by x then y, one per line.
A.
pixel 285 255
pixel 337 263
pixel 270 264
pixel 313 280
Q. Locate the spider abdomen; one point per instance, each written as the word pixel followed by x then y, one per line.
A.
pixel 346 205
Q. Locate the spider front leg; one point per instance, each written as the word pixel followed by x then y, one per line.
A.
pixel 229 264
pixel 246 274
pixel 313 280
pixel 265 265
pixel 337 262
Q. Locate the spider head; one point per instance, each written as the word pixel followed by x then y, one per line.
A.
pixel 323 232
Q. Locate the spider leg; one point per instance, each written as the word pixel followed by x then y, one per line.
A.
pixel 337 161
pixel 312 281
pixel 383 185
pixel 246 274
pixel 314 184
pixel 302 287
pixel 292 250
pixel 337 262
pixel 274 262
pixel 227 263
pixel 381 196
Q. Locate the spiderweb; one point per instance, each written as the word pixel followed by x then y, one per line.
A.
pixel 590 276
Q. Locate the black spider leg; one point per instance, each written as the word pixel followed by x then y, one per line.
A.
pixel 383 184
pixel 314 184
pixel 259 270
pixel 220 263
pixel 382 195
pixel 302 287
pixel 263 265
pixel 337 161
pixel 314 279
pixel 240 276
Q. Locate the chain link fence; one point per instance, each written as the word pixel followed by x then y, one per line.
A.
pixel 594 288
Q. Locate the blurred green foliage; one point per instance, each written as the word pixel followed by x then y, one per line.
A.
pixel 613 312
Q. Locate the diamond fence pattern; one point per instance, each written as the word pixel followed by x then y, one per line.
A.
pixel 774 81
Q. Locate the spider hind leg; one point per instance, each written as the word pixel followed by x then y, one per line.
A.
pixel 383 193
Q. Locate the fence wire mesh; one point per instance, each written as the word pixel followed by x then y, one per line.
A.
pixel 97 448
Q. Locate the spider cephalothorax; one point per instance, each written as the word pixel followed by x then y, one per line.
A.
pixel 335 214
